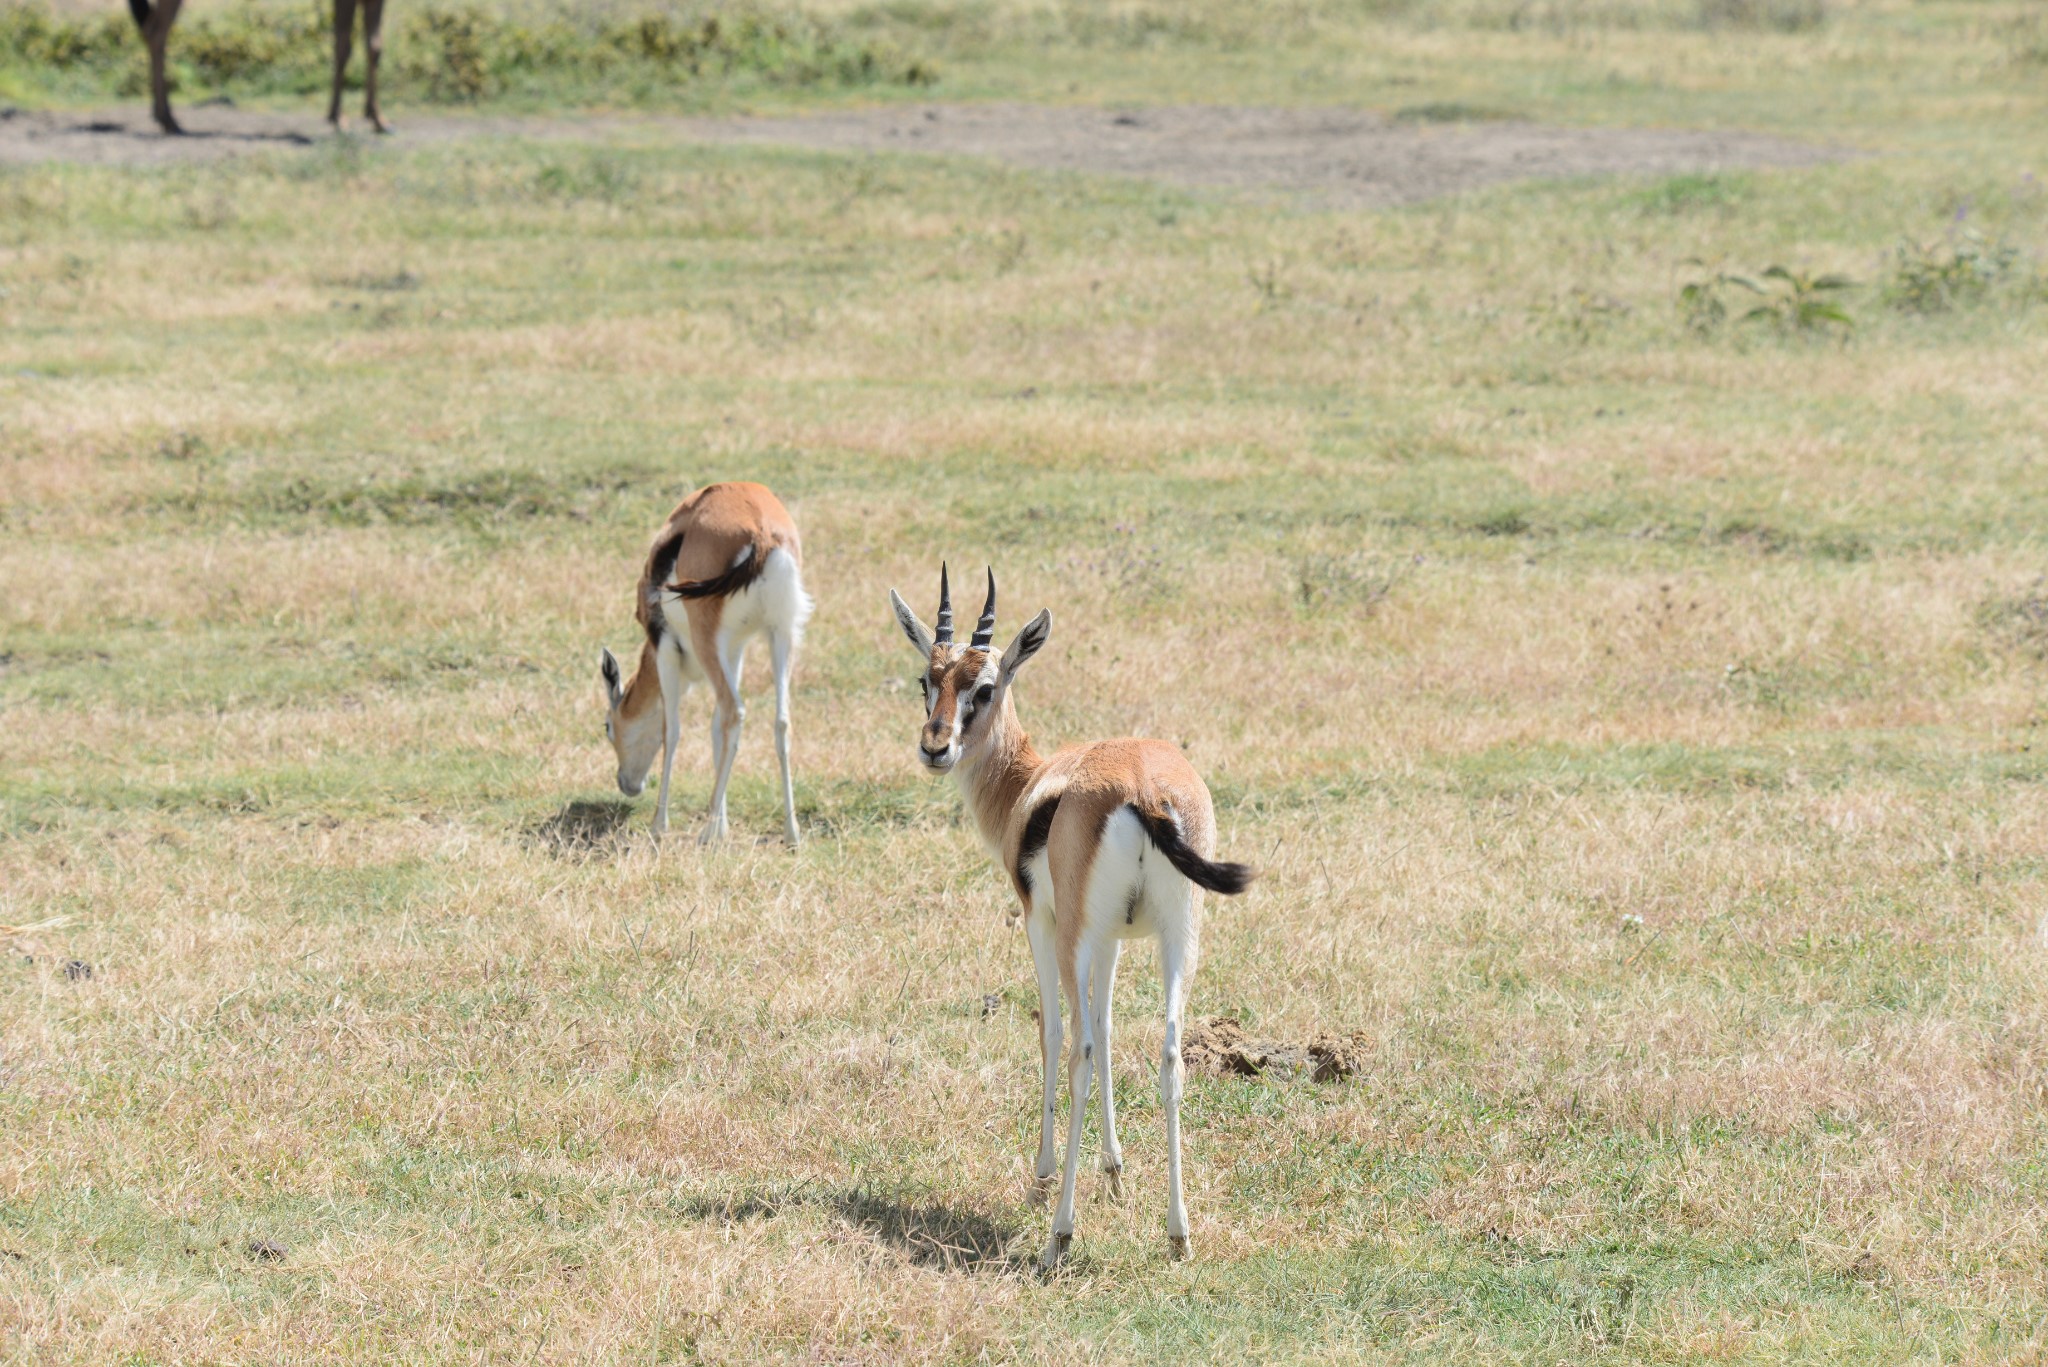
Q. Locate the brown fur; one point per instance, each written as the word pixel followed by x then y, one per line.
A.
pixel 1092 780
pixel 716 523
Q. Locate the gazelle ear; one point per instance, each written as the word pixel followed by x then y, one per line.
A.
pixel 608 665
pixel 920 638
pixel 1029 642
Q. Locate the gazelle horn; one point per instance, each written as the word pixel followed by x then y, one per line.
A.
pixel 945 624
pixel 985 629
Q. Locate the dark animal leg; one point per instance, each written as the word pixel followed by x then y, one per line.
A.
pixel 344 28
pixel 373 49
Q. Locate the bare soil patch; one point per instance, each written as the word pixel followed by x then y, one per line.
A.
pixel 1348 157
pixel 1352 157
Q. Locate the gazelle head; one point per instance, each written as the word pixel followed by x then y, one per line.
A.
pixel 966 688
pixel 635 734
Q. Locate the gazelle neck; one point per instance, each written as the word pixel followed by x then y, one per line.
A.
pixel 996 774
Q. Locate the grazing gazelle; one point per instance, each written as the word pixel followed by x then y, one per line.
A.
pixel 726 568
pixel 1104 842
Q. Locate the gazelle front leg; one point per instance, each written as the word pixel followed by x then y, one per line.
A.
pixel 1112 1151
pixel 668 667
pixel 1080 1064
pixel 1038 927
pixel 779 651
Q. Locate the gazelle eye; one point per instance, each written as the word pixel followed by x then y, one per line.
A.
pixel 983 694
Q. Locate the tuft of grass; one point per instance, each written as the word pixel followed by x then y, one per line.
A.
pixel 2018 621
pixel 1696 193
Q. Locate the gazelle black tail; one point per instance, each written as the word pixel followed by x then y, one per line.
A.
pixel 727 584
pixel 1215 875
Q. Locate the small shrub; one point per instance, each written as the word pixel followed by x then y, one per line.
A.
pixel 1795 302
pixel 1936 278
pixel 1703 303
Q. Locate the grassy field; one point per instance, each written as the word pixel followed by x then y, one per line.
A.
pixel 1639 711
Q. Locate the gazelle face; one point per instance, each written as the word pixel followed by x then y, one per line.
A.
pixel 636 739
pixel 960 698
pixel 964 686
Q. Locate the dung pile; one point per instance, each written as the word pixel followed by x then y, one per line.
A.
pixel 1220 1045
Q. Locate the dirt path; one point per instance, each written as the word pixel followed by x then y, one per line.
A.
pixel 1341 156
pixel 1349 157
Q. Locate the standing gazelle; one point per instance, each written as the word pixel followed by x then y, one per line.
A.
pixel 1104 842
pixel 737 566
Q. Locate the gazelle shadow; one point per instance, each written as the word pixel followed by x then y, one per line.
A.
pixel 583 827
pixel 928 1232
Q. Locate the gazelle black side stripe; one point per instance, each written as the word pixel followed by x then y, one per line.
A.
pixel 1037 829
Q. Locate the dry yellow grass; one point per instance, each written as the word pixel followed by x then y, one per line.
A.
pixel 1641 733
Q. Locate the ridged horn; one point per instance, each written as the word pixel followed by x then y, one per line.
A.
pixel 985 629
pixel 945 623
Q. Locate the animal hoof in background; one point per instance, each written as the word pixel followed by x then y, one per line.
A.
pixel 380 126
pixel 1113 1183
pixel 1055 1252
pixel 1041 1191
pixel 1178 1248
pixel 713 832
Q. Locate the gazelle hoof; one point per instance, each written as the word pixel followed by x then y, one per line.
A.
pixel 1113 1183
pixel 1055 1251
pixel 1178 1248
pixel 1041 1190
pixel 713 832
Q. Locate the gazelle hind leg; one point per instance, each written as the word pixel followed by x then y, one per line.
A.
pixel 727 658
pixel 1176 966
pixel 780 648
pixel 1105 991
pixel 1038 928
pixel 668 668
pixel 1080 1064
